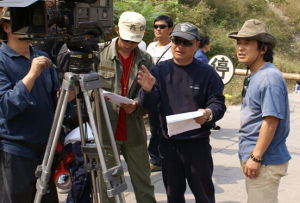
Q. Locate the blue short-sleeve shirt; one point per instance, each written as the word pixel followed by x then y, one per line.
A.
pixel 266 95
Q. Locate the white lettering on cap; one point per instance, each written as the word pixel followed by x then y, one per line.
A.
pixel 134 27
pixel 184 27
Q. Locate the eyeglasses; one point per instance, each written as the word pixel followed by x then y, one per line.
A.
pixel 245 86
pixel 160 26
pixel 185 43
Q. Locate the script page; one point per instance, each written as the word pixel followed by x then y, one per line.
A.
pixel 183 122
pixel 117 99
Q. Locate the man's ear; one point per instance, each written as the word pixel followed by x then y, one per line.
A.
pixel 117 29
pixel 264 49
pixel 6 27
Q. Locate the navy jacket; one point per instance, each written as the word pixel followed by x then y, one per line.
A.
pixel 180 89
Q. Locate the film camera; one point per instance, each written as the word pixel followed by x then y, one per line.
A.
pixel 78 23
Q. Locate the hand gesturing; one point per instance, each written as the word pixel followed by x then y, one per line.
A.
pixel 145 79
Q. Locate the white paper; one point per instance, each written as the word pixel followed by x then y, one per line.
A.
pixel 180 123
pixel 117 99
pixel 74 135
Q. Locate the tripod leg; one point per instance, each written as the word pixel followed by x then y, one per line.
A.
pixel 94 130
pixel 97 197
pixel 41 184
pixel 55 120
pixel 113 177
pixel 99 95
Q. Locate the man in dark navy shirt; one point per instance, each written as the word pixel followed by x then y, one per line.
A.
pixel 179 85
pixel 28 95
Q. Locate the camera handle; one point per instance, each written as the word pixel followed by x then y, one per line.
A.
pixel 92 153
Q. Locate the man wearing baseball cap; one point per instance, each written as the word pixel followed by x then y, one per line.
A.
pixel 119 64
pixel 265 118
pixel 28 95
pixel 180 85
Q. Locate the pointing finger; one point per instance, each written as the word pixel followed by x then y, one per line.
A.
pixel 145 69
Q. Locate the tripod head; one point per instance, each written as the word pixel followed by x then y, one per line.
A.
pixel 81 55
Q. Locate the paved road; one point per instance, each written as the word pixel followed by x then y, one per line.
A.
pixel 228 178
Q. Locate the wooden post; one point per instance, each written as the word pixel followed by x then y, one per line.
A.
pixel 287 76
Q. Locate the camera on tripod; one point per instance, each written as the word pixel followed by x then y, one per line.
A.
pixel 78 23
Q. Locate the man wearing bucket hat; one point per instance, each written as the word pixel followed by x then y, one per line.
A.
pixel 180 85
pixel 119 64
pixel 264 114
pixel 28 94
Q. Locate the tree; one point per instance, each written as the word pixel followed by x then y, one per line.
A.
pixel 189 2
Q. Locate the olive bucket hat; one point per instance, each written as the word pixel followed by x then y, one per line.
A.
pixel 254 29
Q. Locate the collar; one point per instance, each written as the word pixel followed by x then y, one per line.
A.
pixel 266 65
pixel 10 52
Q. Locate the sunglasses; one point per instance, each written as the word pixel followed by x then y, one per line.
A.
pixel 185 43
pixel 245 86
pixel 159 26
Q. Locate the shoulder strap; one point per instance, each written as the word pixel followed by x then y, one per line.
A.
pixel 162 55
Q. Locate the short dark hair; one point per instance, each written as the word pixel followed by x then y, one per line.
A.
pixel 204 40
pixel 268 56
pixel 168 20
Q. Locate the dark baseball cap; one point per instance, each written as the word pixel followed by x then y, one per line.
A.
pixel 186 30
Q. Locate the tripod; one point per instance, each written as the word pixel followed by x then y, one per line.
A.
pixel 92 153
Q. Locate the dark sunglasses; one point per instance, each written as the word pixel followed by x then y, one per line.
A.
pixel 185 43
pixel 245 86
pixel 159 26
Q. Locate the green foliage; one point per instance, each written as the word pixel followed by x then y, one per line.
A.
pixel 189 2
pixel 221 44
pixel 256 6
pixel 145 7
pixel 291 9
pixel 217 18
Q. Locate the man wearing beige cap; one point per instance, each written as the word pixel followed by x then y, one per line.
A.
pixel 119 64
pixel 180 85
pixel 265 118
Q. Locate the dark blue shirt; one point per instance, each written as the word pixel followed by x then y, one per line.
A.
pixel 201 56
pixel 25 117
pixel 180 89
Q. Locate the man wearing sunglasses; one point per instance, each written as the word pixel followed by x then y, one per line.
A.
pixel 160 50
pixel 119 64
pixel 265 119
pixel 180 85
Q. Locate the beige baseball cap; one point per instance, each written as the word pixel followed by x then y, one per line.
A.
pixel 132 26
